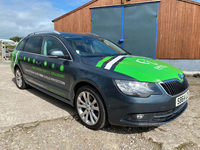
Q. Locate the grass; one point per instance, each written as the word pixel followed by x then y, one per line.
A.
pixel 186 145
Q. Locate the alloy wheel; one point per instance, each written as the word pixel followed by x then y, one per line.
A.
pixel 88 108
pixel 18 78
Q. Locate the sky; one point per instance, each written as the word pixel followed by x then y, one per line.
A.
pixel 21 17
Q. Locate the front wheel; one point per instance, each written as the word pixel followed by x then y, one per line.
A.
pixel 90 108
pixel 19 79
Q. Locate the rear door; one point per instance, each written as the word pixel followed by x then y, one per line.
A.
pixel 28 57
pixel 53 73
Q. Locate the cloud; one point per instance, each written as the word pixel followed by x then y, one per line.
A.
pixel 21 17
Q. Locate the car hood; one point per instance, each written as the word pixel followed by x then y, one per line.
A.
pixel 140 68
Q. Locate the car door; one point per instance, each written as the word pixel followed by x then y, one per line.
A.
pixel 54 72
pixel 28 57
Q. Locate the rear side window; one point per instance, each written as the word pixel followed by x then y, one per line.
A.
pixel 21 45
pixel 50 43
pixel 33 45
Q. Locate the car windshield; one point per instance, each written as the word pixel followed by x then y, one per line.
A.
pixel 93 46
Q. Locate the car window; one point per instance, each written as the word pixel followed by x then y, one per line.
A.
pixel 50 43
pixel 93 46
pixel 33 45
pixel 21 45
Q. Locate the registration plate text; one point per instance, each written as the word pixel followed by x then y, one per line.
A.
pixel 181 99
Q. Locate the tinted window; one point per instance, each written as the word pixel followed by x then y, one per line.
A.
pixel 93 46
pixel 21 45
pixel 50 43
pixel 33 45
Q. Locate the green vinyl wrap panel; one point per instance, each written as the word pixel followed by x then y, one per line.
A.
pixel 14 60
pixel 100 63
pixel 147 70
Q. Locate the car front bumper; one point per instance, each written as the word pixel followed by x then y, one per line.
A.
pixel 154 119
pixel 156 110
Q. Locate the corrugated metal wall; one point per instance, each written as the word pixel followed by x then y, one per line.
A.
pixel 178 30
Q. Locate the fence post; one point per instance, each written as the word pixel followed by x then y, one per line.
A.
pixel 3 51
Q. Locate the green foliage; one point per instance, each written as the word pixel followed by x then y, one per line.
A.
pixel 16 38
pixel 10 46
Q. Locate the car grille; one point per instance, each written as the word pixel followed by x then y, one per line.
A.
pixel 173 87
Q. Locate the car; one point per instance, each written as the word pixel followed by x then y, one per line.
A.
pixel 105 83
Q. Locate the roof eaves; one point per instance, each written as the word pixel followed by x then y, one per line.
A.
pixel 191 2
pixel 89 3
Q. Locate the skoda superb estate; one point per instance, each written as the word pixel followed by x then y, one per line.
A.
pixel 105 83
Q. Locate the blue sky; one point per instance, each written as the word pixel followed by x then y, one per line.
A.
pixel 21 17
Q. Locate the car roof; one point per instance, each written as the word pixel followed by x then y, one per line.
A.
pixel 60 33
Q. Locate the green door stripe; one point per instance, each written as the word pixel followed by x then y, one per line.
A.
pixel 100 63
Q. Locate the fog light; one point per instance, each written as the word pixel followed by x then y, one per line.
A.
pixel 140 116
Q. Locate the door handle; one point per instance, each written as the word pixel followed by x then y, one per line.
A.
pixel 20 58
pixel 38 62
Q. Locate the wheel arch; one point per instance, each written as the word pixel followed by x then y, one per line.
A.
pixel 15 67
pixel 88 82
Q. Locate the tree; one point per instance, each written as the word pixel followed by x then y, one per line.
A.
pixel 16 38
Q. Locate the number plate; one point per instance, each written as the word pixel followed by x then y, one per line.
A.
pixel 181 99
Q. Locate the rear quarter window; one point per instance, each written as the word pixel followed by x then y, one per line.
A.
pixel 21 45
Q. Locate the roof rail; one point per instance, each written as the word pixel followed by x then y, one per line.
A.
pixel 92 34
pixel 44 32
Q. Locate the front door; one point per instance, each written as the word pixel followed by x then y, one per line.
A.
pixel 53 74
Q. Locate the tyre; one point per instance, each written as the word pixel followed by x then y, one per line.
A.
pixel 21 84
pixel 90 108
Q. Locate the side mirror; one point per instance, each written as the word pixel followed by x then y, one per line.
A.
pixel 57 53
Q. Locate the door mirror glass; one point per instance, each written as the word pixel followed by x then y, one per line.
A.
pixel 57 53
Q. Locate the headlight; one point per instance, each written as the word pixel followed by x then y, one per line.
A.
pixel 138 89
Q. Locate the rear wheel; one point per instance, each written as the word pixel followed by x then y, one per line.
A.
pixel 90 108
pixel 19 79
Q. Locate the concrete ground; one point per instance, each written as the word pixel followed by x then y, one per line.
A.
pixel 25 106
pixel 30 119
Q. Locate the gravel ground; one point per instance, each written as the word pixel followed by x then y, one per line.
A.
pixel 68 133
